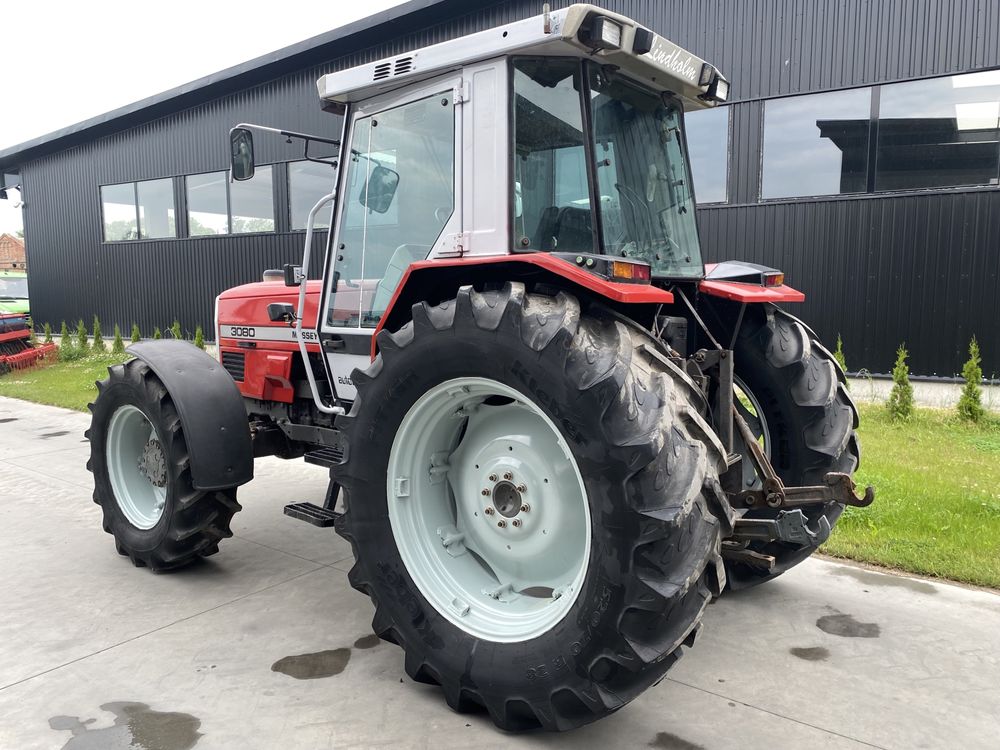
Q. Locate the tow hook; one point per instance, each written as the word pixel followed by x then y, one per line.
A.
pixel 837 487
pixel 788 526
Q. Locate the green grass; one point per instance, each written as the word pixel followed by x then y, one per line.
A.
pixel 66 384
pixel 937 504
pixel 937 507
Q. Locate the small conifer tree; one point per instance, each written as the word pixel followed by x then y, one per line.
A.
pixel 199 337
pixel 175 330
pixel 901 397
pixel 81 336
pixel 48 333
pixel 118 346
pixel 33 338
pixel 136 333
pixel 838 355
pixel 970 403
pixel 157 334
pixel 65 340
pixel 98 344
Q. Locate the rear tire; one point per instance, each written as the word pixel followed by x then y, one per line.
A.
pixel 142 476
pixel 649 464
pixel 810 421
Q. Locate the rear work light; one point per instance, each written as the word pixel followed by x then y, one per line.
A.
pixel 622 270
pixel 602 34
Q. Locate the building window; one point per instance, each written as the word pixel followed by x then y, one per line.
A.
pixel 118 210
pixel 156 209
pixel 708 145
pixel 816 144
pixel 138 210
pixel 207 204
pixel 308 181
pixel 939 132
pixel 251 203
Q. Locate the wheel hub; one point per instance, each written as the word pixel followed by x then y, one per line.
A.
pixel 506 499
pixel 152 464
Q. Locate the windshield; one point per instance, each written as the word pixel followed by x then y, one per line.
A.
pixel 647 207
pixel 13 287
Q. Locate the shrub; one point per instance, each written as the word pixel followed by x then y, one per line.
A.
pixel 118 346
pixel 157 334
pixel 48 333
pixel 136 333
pixel 98 345
pixel 65 340
pixel 838 355
pixel 901 398
pixel 175 330
pixel 970 403
pixel 81 336
pixel 33 338
pixel 199 337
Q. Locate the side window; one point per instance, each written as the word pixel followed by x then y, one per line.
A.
pixel 207 204
pixel 156 209
pixel 118 207
pixel 708 144
pixel 551 200
pixel 397 198
pixel 308 181
pixel 251 203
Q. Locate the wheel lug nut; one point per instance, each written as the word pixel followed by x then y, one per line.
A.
pixel 488 511
pixel 501 523
pixel 525 508
pixel 508 476
pixel 486 493
pixel 493 477
pixel 516 522
pixel 521 488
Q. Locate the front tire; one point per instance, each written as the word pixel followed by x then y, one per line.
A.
pixel 142 476
pixel 631 429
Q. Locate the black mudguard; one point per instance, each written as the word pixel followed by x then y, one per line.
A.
pixel 213 418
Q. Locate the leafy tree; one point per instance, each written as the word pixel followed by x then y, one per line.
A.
pixel 98 345
pixel 157 334
pixel 175 330
pixel 199 337
pixel 48 333
pixel 901 397
pixel 81 336
pixel 970 403
pixel 136 333
pixel 118 346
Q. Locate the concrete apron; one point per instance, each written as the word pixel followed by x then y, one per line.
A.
pixel 266 645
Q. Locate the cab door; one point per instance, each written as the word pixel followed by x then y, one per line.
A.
pixel 396 205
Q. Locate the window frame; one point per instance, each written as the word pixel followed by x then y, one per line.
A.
pixel 135 204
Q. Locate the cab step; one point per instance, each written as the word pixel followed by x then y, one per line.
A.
pixel 311 513
pixel 326 457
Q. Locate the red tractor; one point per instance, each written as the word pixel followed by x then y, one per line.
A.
pixel 553 433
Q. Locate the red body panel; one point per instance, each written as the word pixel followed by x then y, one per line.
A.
pixel 740 292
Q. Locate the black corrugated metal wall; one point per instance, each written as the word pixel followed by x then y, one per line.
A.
pixel 879 269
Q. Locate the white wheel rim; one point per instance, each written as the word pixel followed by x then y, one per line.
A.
pixel 752 412
pixel 511 573
pixel 136 467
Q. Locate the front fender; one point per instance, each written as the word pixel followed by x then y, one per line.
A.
pixel 211 410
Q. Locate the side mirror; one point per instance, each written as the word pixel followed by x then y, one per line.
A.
pixel 278 312
pixel 378 191
pixel 241 153
pixel 293 274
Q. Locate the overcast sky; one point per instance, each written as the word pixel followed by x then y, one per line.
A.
pixel 62 62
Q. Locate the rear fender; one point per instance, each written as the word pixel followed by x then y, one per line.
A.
pixel 211 410
pixel 439 280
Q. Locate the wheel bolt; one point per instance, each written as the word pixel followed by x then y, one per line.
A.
pixel 525 508
pixel 501 523
pixel 488 511
pixel 521 488
pixel 508 476
pixel 493 477
pixel 516 522
pixel 486 493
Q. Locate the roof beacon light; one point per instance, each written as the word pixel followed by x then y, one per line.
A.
pixel 605 34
